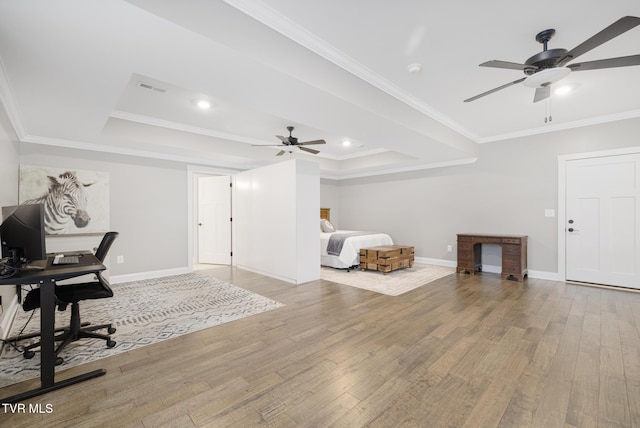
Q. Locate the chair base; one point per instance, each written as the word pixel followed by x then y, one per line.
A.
pixel 75 331
pixel 32 335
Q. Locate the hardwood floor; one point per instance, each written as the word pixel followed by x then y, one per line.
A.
pixel 459 352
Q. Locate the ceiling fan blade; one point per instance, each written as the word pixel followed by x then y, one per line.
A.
pixel 306 143
pixel 280 153
pixel 619 27
pixel 283 139
pixel 315 152
pixel 542 93
pixel 504 64
pixel 515 82
pixel 623 61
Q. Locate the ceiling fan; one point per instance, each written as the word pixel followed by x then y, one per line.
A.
pixel 292 141
pixel 550 65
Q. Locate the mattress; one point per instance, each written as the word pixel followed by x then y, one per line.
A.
pixel 350 254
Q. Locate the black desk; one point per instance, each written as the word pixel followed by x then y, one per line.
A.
pixel 47 278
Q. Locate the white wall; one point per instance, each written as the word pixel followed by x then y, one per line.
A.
pixel 8 196
pixel 506 191
pixel 307 221
pixel 277 220
pixel 148 203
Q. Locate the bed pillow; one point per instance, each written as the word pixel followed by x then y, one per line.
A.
pixel 326 226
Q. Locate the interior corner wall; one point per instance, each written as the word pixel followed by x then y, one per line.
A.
pixel 307 221
pixel 329 199
pixel 505 192
pixel 148 207
pixel 276 219
pixel 8 196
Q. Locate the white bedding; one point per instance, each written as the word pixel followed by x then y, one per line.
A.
pixel 350 254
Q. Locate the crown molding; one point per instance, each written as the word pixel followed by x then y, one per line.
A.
pixel 397 170
pixel 562 126
pixel 290 29
pixel 103 148
pixel 268 16
pixel 353 155
pixel 118 114
pixel 193 160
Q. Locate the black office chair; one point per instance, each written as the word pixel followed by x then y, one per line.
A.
pixel 73 294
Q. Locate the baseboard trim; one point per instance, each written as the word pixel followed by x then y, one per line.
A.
pixel 269 274
pixel 118 279
pixel 437 262
pixel 537 274
pixel 7 320
pixel 140 276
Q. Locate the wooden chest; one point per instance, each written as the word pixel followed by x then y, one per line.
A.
pixel 386 258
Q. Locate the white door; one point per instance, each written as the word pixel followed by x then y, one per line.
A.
pixel 603 227
pixel 214 220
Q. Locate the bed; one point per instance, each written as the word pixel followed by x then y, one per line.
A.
pixel 352 241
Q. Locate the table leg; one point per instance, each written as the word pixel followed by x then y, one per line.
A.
pixel 47 350
pixel 47 322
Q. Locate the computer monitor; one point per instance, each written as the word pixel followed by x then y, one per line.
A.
pixel 22 233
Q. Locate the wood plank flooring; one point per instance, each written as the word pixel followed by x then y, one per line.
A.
pixel 459 352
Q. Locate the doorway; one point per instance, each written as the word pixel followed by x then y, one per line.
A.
pixel 600 227
pixel 214 220
pixel 216 234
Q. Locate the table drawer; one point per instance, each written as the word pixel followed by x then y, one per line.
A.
pixel 512 241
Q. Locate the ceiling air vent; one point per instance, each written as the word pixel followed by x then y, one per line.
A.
pixel 151 87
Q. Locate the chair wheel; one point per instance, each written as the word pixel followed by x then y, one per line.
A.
pixel 28 354
pixel 111 330
pixel 111 343
pixel 59 360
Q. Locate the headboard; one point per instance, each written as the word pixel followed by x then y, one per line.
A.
pixel 325 213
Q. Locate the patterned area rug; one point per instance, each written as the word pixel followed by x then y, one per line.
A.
pixel 143 312
pixel 393 283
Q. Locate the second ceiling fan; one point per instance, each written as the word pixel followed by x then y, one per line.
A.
pixel 292 141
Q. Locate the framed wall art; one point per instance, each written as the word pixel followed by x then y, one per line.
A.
pixel 76 202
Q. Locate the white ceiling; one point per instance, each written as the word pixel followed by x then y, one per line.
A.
pixel 71 71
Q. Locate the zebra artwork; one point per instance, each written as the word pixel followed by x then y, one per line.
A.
pixel 65 201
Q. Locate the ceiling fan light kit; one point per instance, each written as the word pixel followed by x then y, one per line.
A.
pixel 551 65
pixel 546 77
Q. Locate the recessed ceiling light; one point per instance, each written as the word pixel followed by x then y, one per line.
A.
pixel 414 68
pixel 203 104
pixel 346 143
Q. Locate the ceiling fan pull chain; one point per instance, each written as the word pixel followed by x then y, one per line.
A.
pixel 547 112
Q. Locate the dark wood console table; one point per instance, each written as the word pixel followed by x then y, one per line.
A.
pixel 514 253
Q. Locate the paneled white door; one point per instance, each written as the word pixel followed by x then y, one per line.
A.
pixel 602 220
pixel 214 220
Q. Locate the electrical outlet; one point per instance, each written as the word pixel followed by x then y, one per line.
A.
pixel 120 259
pixel 449 248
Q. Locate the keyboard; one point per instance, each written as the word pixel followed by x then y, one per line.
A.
pixel 66 260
